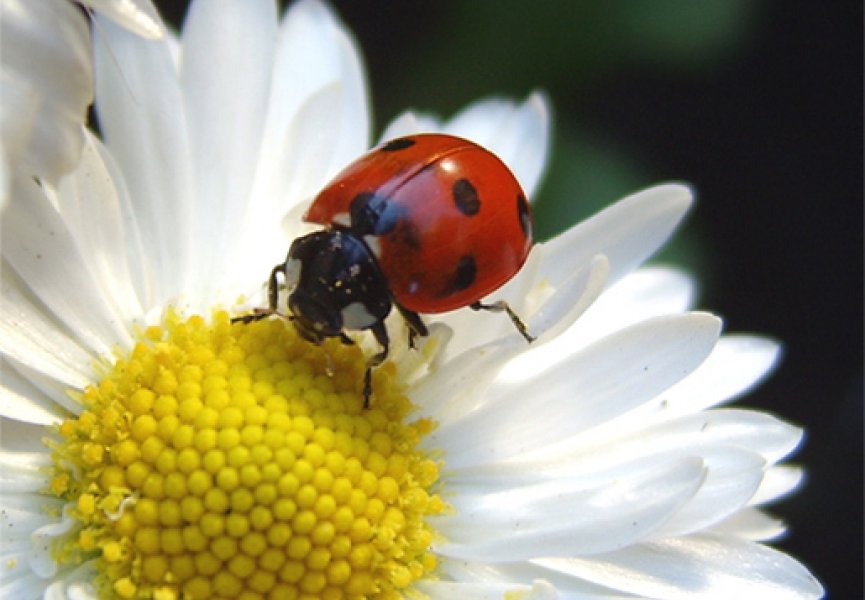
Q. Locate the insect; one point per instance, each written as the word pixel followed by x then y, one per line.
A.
pixel 426 223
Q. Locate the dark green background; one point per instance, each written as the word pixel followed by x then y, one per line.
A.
pixel 759 105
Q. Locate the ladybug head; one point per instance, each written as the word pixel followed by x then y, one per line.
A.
pixel 334 284
pixel 313 320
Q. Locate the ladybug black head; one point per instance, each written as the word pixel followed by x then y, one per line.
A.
pixel 334 284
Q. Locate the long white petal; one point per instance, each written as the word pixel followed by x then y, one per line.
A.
pixel 710 566
pixel 751 524
pixel 225 110
pixel 314 52
pixel 408 123
pixel 627 233
pixel 141 115
pixel 34 339
pixel 139 16
pixel 23 401
pixel 737 364
pixel 779 481
pixel 39 246
pixel 97 214
pixel 446 590
pixel 564 518
pixel 645 293
pixel 593 386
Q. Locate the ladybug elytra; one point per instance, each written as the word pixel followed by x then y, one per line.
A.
pixel 426 223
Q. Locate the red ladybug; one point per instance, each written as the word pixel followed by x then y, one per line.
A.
pixel 428 223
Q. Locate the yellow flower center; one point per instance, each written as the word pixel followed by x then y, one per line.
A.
pixel 224 460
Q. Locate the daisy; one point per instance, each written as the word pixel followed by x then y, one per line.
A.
pixel 154 449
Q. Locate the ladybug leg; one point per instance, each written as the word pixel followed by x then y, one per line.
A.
pixel 380 333
pixel 273 286
pixel 272 296
pixel 502 306
pixel 416 326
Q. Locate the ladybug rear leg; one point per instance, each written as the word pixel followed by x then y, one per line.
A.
pixel 380 333
pixel 416 326
pixel 502 306
pixel 272 297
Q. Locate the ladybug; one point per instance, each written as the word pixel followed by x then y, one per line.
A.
pixel 426 223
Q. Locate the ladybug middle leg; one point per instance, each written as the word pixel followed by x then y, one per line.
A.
pixel 416 326
pixel 502 306
pixel 272 296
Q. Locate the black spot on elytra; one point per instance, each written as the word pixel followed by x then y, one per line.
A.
pixel 466 197
pixel 398 144
pixel 406 233
pixel 524 215
pixel 464 275
pixel 372 214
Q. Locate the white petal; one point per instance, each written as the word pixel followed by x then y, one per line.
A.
pixel 5 183
pixel 737 364
pixel 144 125
pixel 225 109
pixel 46 82
pixel 33 339
pixel 22 438
pixel 519 135
pixel 20 581
pixel 602 381
pixel 524 573
pixel 74 584
pixel 139 16
pixel 457 387
pixel 42 250
pixel 98 217
pixel 645 293
pixel 556 315
pixel 408 123
pixel 314 52
pixel 22 472
pixel 627 232
pixel 446 590
pixel 778 482
pixel 22 514
pixel 751 524
pixel 547 311
pixel 22 401
pixel 40 557
pixel 732 477
pixel 564 518
pixel 753 431
pixel 707 566
pixel 712 435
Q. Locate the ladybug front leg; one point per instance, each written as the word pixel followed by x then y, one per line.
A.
pixel 502 306
pixel 272 298
pixel 380 333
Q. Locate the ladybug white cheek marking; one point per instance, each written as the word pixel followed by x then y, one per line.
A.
pixel 342 218
pixel 292 272
pixel 374 245
pixel 356 316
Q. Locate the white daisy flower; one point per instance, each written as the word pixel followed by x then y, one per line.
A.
pixel 47 78
pixel 154 449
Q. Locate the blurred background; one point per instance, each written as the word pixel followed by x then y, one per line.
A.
pixel 758 104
